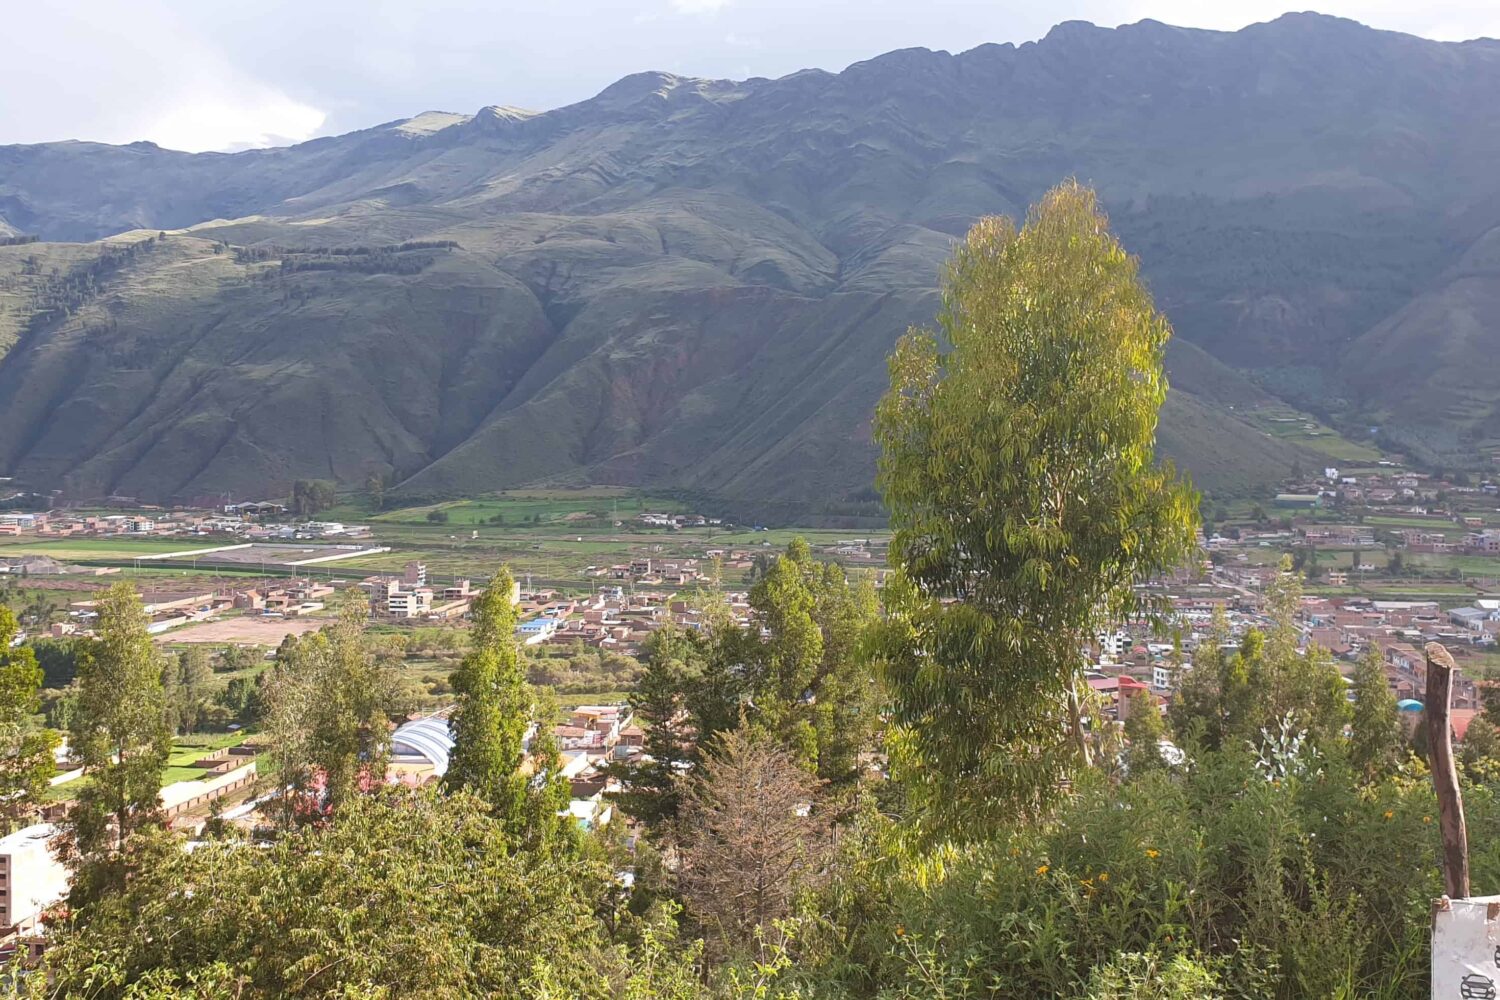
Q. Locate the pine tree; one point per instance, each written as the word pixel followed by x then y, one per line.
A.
pixel 673 659
pixel 171 693
pixel 1376 740
pixel 493 708
pixel 788 654
pixel 349 739
pixel 195 674
pixel 375 490
pixel 847 696
pixel 716 698
pixel 1196 712
pixel 752 837
pixel 1322 699
pixel 1480 751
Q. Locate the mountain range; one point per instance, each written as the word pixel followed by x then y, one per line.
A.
pixel 692 284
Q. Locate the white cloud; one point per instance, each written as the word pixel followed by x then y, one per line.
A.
pixel 197 122
pixel 151 74
pixel 699 6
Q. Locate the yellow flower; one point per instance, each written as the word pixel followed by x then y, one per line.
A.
pixel 900 931
pixel 1426 819
pixel 1043 869
pixel 1151 853
pixel 1104 876
pixel 1389 813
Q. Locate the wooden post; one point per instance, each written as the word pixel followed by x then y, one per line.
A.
pixel 1440 669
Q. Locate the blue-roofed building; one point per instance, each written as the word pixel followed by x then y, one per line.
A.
pixel 537 630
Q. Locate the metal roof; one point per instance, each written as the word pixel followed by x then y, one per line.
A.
pixel 428 738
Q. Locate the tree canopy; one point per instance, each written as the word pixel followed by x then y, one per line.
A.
pixel 1017 460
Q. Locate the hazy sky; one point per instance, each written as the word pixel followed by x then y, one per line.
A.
pixel 199 74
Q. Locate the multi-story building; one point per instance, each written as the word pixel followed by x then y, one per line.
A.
pixel 1112 645
pixel 31 878
pixel 407 601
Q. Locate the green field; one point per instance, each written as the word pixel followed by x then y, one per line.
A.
pixel 553 536
pixel 1468 565
pixel 550 537
pixel 1300 429
pixel 73 549
pixel 185 750
pixel 539 508
pixel 1442 524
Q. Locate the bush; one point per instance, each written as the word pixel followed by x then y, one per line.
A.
pixel 1299 886
pixel 1149 976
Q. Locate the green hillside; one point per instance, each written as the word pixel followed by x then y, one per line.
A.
pixel 693 284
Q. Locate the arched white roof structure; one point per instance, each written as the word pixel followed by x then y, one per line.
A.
pixel 429 739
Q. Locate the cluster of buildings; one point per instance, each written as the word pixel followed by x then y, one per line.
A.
pixel 1133 658
pixel 610 618
pixel 169 607
pixel 239 521
pixel 1394 489
pixel 861 549
pixel 677 521
pixel 54 525
pixel 651 572
pixel 410 596
pixel 291 598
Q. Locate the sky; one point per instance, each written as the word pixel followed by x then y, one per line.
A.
pixel 202 75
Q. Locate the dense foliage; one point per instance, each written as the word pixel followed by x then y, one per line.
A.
pixel 1276 874
pixel 406 895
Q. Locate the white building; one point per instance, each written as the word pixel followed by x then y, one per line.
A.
pixel 31 878
pixel 401 602
pixel 537 630
pixel 1112 645
pixel 1164 675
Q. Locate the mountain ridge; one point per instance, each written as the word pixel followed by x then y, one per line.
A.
pixel 693 283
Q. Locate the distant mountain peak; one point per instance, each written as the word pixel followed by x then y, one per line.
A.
pixel 429 122
pixel 1064 31
pixel 507 113
pixel 639 85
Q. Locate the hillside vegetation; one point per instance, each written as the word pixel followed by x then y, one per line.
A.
pixel 693 283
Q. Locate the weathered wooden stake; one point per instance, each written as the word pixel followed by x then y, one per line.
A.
pixel 1435 708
